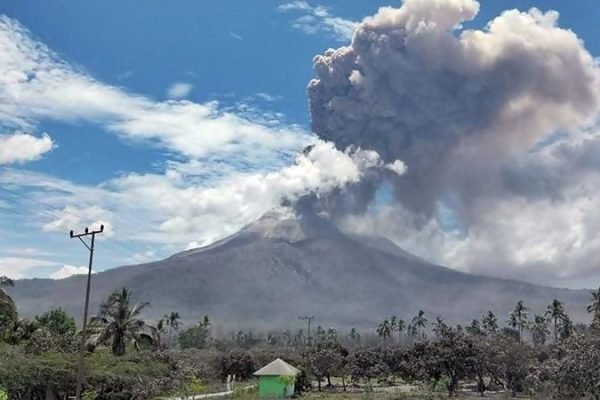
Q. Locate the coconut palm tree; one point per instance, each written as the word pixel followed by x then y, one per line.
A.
pixel 173 321
pixel 594 309
pixel 400 327
pixel 518 318
pixel 539 330
pixel 419 322
pixel 384 330
pixel 119 322
pixel 555 313
pixel 490 323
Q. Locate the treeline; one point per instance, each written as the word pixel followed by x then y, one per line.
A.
pixel 544 355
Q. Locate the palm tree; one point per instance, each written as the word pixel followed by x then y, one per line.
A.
pixel 556 313
pixel 440 327
pixel 384 330
pixel 419 322
pixel 490 323
pixel 594 309
pixel 119 322
pixel 518 318
pixel 173 321
pixel 539 330
pixel 400 326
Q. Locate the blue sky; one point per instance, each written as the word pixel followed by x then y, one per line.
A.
pixel 240 65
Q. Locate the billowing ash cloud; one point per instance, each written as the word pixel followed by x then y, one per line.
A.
pixel 455 105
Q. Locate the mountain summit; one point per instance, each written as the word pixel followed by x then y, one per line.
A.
pixel 285 265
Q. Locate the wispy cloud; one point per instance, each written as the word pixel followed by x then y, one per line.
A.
pixel 235 36
pixel 179 90
pixel 36 85
pixel 318 19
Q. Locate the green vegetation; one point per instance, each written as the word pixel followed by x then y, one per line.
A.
pixel 544 357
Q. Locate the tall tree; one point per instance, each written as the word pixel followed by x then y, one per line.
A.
pixel 489 322
pixel 556 313
pixel 518 318
pixel 419 322
pixel 400 327
pixel 384 330
pixel 173 321
pixel 354 335
pixel 539 330
pixel 119 322
pixel 594 309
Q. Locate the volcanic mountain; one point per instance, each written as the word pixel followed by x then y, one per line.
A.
pixel 283 266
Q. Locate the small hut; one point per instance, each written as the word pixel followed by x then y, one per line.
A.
pixel 276 379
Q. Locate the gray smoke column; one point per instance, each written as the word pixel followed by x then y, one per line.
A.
pixel 455 105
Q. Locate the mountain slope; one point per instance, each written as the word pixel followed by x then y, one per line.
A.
pixel 283 266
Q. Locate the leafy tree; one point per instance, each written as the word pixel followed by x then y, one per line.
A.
pixel 577 374
pixel 196 336
pixel 119 322
pixel 238 363
pixel 8 309
pixel 325 361
pixel 518 319
pixel 451 356
pixel 539 330
pixel 556 313
pixel 57 321
pixel 367 363
pixel 513 362
pixel 419 322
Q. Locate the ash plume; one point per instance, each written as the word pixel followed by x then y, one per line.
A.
pixel 456 105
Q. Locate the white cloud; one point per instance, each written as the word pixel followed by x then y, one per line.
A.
pixel 22 267
pixel 78 218
pixel 179 90
pixel 36 84
pixel 170 209
pixel 21 147
pixel 69 270
pixel 318 19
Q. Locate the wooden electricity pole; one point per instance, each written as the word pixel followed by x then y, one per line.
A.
pixel 90 247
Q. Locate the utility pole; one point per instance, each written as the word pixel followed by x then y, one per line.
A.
pixel 90 247
pixel 309 320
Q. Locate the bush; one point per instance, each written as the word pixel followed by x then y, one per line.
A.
pixel 138 376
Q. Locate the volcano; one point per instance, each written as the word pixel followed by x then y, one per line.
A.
pixel 285 265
